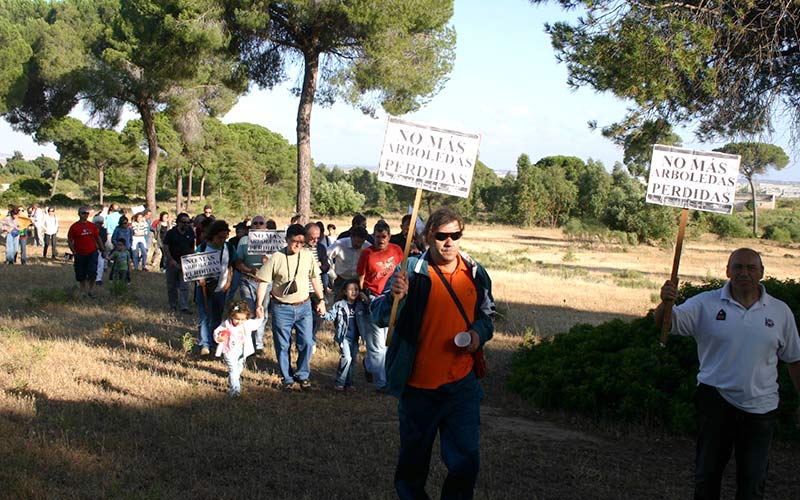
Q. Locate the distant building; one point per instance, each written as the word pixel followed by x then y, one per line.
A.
pixel 780 189
pixel 763 201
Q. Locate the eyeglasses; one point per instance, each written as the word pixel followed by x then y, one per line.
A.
pixel 84 213
pixel 453 236
pixel 258 223
pixel 297 242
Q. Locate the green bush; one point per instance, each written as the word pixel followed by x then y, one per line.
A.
pixel 336 198
pixel 62 200
pixel 728 226
pixel 618 371
pixel 777 233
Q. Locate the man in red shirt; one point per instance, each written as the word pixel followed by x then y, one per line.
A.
pixel 375 266
pixel 84 243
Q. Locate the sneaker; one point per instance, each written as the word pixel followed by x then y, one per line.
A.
pixel 205 351
pixel 338 388
pixel 305 384
pixel 286 386
pixel 367 374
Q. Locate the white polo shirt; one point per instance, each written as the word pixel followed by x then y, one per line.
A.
pixel 739 348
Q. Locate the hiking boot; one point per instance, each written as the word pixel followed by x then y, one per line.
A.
pixel 305 384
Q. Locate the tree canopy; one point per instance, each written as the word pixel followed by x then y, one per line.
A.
pixel 389 53
pixel 730 66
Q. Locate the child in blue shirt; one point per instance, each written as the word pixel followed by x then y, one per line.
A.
pixel 350 317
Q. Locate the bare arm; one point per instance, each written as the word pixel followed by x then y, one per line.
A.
pixel 261 293
pixel 668 294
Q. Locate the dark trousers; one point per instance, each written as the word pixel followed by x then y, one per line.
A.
pixel 722 428
pixel 49 242
pixel 453 411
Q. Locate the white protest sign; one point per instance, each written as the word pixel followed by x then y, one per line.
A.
pixel 201 265
pixel 430 158
pixel 137 209
pixel 685 178
pixel 265 242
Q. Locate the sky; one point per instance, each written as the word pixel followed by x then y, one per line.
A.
pixel 506 85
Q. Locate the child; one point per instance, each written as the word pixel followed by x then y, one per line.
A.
pixel 235 343
pixel 121 263
pixel 350 316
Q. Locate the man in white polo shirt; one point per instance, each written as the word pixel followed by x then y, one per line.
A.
pixel 741 333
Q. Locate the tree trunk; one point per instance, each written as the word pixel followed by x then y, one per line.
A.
pixel 55 181
pixel 148 121
pixel 755 208
pixel 189 189
pixel 179 192
pixel 304 134
pixel 203 184
pixel 100 179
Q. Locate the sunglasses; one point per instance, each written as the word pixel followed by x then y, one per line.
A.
pixel 443 236
pixel 84 213
pixel 258 223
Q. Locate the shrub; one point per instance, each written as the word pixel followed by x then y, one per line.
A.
pixel 777 233
pixel 336 198
pixel 728 226
pixel 63 200
pixel 617 370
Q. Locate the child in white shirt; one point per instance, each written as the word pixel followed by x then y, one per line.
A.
pixel 234 342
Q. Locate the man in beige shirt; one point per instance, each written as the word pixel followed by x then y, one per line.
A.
pixel 290 306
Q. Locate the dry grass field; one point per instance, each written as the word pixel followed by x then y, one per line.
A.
pixel 99 399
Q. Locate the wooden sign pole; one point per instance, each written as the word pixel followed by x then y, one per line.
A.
pixel 409 238
pixel 666 325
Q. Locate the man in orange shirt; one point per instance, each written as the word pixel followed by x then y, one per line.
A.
pixel 443 293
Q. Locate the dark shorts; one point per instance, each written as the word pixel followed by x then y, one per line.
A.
pixel 86 267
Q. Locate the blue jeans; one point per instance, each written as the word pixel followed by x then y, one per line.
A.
pixel 349 351
pixel 375 360
pixel 12 247
pixel 140 255
pixel 453 411
pixel 207 321
pixel 284 318
pixel 722 428
pixel 235 362
pixel 248 289
pixel 236 280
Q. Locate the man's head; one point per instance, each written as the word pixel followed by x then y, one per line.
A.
pixel 114 207
pixel 745 271
pixel 381 234
pixel 183 222
pixel 258 223
pixel 240 228
pixel 442 233
pixel 98 220
pixel 359 221
pixel 296 219
pixel 83 213
pixel 404 223
pixel 312 234
pixel 358 235
pixel 295 238
pixel 35 205
pixel 207 210
pixel 217 232
pixel 272 225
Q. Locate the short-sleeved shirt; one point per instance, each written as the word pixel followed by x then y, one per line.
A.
pixel 282 268
pixel 378 266
pixel 439 361
pixel 253 261
pixel 739 348
pixel 120 260
pixel 179 244
pixel 83 236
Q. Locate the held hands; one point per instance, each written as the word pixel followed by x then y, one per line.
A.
pixel 669 292
pixel 259 311
pixel 399 285
pixel 321 308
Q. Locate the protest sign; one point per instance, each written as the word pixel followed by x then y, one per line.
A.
pixel 265 242
pixel 201 265
pixel 430 158
pixel 137 209
pixel 685 178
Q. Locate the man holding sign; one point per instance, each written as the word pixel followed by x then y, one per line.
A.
pixel 741 333
pixel 444 294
